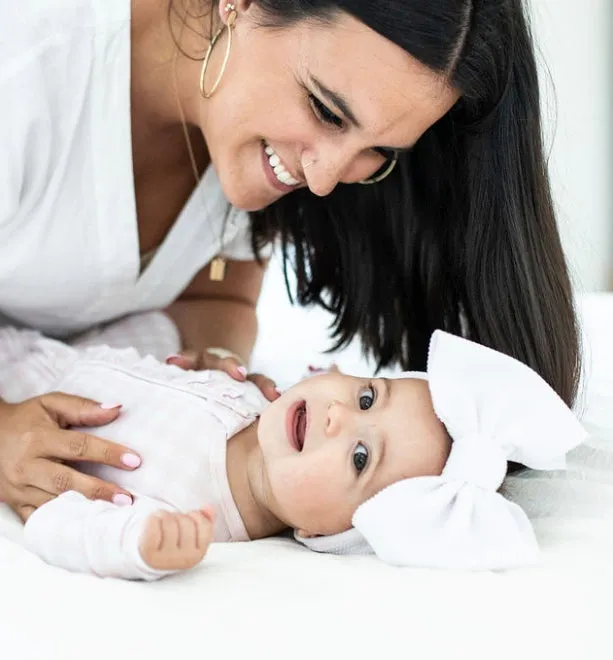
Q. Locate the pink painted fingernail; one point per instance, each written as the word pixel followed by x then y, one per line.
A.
pixel 122 500
pixel 130 460
pixel 174 356
pixel 110 406
pixel 241 370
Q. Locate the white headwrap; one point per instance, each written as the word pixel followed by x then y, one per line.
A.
pixel 496 409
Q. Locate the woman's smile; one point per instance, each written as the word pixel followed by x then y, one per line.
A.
pixel 275 170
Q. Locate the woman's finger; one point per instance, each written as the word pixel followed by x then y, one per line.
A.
pixel 233 368
pixel 57 478
pixel 31 496
pixel 73 445
pixel 35 497
pixel 68 410
pixel 25 511
pixel 198 361
pixel 267 386
pixel 188 360
pixel 230 365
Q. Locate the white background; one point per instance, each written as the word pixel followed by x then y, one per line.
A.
pixel 576 58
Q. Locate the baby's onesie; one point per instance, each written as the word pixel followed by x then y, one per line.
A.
pixel 178 421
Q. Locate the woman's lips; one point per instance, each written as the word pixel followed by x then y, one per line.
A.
pixel 295 423
pixel 270 175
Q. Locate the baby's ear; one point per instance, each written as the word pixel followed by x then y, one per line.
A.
pixel 303 534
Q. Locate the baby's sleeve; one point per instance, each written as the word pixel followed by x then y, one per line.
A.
pixel 93 536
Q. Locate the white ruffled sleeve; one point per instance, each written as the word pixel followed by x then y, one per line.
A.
pixel 93 536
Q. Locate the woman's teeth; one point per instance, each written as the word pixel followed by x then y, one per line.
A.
pixel 279 169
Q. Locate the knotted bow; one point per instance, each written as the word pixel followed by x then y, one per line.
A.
pixel 496 409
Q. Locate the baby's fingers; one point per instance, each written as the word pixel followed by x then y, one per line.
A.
pixel 203 528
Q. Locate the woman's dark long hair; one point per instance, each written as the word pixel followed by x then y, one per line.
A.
pixel 462 235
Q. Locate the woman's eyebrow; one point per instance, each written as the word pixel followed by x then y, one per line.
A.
pixel 343 105
pixel 336 99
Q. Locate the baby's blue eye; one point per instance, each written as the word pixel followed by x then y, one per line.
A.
pixel 367 398
pixel 360 457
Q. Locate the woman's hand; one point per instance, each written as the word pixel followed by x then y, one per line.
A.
pixel 232 365
pixel 35 442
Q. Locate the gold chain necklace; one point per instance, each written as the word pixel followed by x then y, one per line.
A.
pixel 218 264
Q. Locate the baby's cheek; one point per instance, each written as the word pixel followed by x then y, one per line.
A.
pixel 317 501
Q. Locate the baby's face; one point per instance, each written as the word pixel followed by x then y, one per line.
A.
pixel 331 442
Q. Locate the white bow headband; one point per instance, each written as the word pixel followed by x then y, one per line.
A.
pixel 496 409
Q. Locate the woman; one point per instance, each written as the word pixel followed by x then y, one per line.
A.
pixel 112 110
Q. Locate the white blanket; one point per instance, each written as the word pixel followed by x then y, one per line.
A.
pixel 272 599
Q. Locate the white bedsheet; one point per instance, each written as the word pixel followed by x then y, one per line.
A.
pixel 272 599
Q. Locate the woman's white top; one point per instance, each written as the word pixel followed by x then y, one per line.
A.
pixel 69 251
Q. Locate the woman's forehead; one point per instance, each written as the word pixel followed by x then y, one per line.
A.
pixel 386 89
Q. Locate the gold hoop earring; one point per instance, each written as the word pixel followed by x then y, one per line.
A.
pixel 383 175
pixel 231 9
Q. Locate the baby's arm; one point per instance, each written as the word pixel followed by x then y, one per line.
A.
pixel 146 541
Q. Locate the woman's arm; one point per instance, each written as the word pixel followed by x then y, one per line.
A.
pixel 220 314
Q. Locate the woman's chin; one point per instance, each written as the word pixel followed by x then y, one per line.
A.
pixel 246 199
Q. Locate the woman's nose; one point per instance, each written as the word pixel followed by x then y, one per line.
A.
pixel 321 175
pixel 324 170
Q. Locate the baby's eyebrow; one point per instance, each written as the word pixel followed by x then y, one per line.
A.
pixel 387 386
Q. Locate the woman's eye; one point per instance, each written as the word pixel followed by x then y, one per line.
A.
pixel 325 114
pixel 360 457
pixel 367 398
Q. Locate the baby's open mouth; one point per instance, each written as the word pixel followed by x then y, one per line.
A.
pixel 299 427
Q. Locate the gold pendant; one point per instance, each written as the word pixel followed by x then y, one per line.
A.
pixel 218 269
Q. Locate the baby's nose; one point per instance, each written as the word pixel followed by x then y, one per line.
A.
pixel 337 418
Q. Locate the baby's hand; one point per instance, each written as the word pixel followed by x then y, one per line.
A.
pixel 176 541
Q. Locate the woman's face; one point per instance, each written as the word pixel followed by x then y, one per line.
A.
pixel 319 101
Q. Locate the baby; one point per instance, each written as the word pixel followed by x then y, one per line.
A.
pixel 221 463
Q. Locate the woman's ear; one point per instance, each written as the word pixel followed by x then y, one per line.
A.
pixel 240 6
